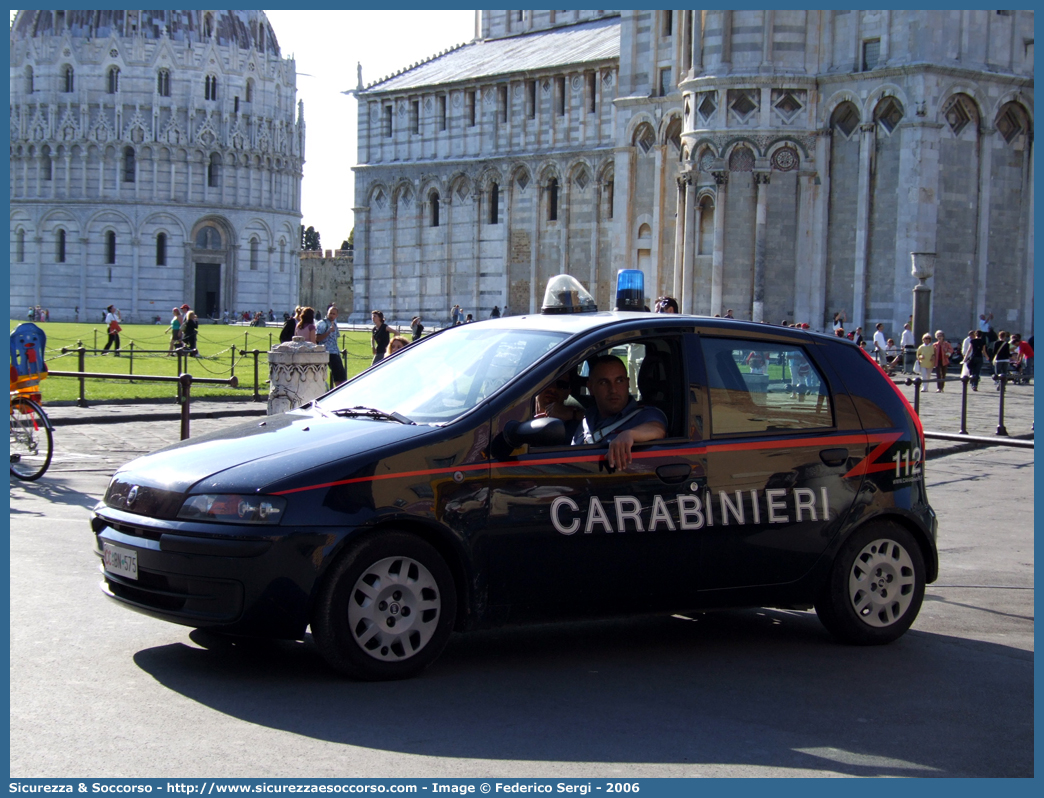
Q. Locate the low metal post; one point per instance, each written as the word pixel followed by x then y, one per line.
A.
pixel 246 340
pixel 131 359
pixel 964 405
pixel 81 401
pixel 185 389
pixel 270 340
pixel 232 365
pixel 917 394
pixel 180 397
pixel 95 340
pixel 1001 429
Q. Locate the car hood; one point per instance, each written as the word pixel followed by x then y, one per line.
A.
pixel 267 455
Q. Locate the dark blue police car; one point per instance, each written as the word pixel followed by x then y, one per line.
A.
pixel 422 497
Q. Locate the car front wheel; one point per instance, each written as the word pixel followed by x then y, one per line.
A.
pixel 875 587
pixel 386 609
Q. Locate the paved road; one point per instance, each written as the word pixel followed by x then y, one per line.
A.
pixel 99 691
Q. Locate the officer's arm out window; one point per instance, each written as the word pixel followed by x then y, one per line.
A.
pixel 763 387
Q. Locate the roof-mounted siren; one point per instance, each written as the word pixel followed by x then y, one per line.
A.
pixel 630 289
pixel 565 294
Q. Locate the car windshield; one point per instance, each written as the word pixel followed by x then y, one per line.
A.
pixel 441 379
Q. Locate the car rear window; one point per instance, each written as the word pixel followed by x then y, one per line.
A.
pixel 759 387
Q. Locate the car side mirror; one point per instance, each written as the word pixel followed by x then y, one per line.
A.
pixel 536 432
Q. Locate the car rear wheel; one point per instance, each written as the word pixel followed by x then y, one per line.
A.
pixel 875 587
pixel 386 609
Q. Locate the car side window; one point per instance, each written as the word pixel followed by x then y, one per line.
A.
pixel 655 372
pixel 757 387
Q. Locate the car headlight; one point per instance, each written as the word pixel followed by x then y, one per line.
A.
pixel 232 508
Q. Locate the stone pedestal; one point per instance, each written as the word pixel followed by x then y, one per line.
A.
pixel 922 267
pixel 297 374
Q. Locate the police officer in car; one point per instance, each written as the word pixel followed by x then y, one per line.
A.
pixel 616 417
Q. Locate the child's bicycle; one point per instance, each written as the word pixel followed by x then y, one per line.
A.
pixel 31 440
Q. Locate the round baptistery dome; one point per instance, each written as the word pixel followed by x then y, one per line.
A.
pixel 131 131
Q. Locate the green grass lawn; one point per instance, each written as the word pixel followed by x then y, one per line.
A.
pixel 219 345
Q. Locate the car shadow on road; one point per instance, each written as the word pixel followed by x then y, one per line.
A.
pixel 746 688
pixel 52 489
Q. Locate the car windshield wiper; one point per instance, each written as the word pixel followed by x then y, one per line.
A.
pixel 373 413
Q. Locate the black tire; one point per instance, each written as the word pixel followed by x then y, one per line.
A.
pixel 875 587
pixel 31 443
pixel 386 608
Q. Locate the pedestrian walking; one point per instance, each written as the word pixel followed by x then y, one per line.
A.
pixel 112 320
pixel 189 331
pixel 326 334
pixel 974 352
pixel 417 328
pixel 925 360
pixel 379 337
pixel 906 343
pixel 1001 357
pixel 880 344
pixel 495 313
pixel 943 351
pixel 289 326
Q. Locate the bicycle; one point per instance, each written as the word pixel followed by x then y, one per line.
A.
pixel 32 443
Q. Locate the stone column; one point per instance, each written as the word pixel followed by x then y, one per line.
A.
pixel 135 266
pixel 862 231
pixel 595 226
pixel 986 138
pixel 84 240
pixel 652 281
pixel 534 243
pixel 697 42
pixel 761 180
pixel 692 232
pixel 679 237
pixel 297 374
pixel 820 182
pixel 726 41
pixel 271 271
pixel 805 279
pixel 37 277
pixel 721 178
pixel 564 219
pixel 1027 289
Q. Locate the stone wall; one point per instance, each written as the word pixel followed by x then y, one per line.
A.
pixel 326 277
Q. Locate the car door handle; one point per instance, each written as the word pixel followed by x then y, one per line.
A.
pixel 675 472
pixel 834 457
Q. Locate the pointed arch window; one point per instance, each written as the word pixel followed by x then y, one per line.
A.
pixel 28 80
pixel 110 247
pixel 254 247
pixel 59 246
pixel 48 166
pixel 433 201
pixel 494 203
pixel 128 165
pixel 161 249
pixel 20 247
pixel 250 90
pixel 212 170
pixel 163 83
pixel 552 200
pixel 69 79
pixel 210 88
pixel 208 25
pixel 113 86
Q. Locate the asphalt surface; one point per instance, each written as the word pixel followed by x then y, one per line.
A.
pixel 100 691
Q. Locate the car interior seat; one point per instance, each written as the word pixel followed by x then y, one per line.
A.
pixel 656 387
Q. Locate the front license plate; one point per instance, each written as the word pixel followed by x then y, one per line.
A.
pixel 123 562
